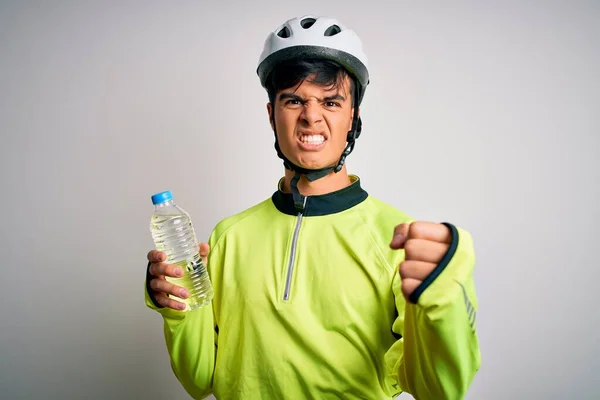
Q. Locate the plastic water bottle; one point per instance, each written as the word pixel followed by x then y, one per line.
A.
pixel 173 233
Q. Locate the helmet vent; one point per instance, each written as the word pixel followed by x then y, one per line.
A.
pixel 307 22
pixel 284 32
pixel 332 30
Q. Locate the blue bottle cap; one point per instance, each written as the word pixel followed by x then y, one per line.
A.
pixel 162 197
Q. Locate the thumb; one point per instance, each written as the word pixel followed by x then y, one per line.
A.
pixel 204 250
pixel 400 236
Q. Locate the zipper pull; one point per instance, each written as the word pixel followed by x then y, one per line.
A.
pixel 300 203
pixel 299 199
pixel 301 207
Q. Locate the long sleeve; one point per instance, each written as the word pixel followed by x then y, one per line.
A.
pixel 437 354
pixel 191 341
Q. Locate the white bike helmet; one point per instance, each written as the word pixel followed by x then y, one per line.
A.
pixel 315 37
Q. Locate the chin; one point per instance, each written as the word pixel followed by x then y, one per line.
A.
pixel 314 164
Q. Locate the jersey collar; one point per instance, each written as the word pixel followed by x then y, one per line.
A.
pixel 324 204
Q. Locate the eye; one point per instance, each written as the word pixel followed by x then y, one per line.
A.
pixel 292 102
pixel 332 104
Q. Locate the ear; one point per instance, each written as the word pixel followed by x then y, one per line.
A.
pixel 269 108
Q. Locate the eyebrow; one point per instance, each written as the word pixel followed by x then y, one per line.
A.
pixel 293 96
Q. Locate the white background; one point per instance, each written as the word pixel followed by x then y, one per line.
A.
pixel 484 114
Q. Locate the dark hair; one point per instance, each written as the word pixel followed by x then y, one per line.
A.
pixel 291 72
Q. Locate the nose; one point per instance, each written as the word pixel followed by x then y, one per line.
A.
pixel 311 113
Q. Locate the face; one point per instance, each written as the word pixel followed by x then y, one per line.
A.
pixel 312 123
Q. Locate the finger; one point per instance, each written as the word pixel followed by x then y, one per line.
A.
pixel 424 250
pixel 164 286
pixel 419 270
pixel 400 235
pixel 155 256
pixel 204 250
pixel 165 301
pixel 158 269
pixel 409 286
pixel 430 231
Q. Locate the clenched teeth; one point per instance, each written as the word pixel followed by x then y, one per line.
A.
pixel 312 139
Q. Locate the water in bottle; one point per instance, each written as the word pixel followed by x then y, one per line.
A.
pixel 173 233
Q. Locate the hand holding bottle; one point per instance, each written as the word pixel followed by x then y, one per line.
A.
pixel 162 289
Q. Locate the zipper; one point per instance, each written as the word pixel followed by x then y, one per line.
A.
pixel 288 281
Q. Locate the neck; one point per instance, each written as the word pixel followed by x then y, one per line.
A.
pixel 329 183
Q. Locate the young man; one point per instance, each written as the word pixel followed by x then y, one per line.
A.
pixel 322 291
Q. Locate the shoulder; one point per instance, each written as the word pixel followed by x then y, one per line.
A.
pixel 380 214
pixel 380 218
pixel 237 221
